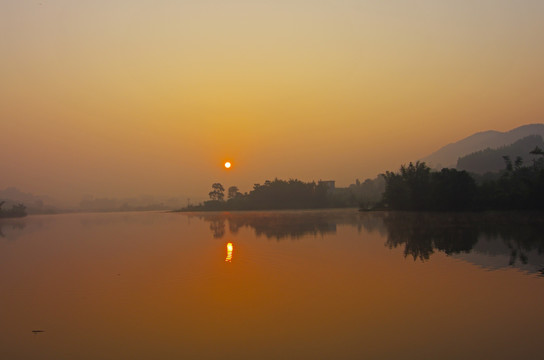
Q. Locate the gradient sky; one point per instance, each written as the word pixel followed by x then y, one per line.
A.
pixel 119 98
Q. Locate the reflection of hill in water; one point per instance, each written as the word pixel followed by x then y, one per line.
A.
pixel 491 240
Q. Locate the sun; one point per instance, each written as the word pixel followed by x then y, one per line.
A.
pixel 228 165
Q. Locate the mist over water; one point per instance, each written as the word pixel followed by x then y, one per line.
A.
pixel 272 284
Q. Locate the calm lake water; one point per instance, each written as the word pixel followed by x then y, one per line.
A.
pixel 272 285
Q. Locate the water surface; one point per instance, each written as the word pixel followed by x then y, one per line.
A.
pixel 284 284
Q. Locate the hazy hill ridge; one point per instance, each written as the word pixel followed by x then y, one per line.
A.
pixel 491 160
pixel 448 155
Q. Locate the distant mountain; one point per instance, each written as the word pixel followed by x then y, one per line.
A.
pixel 448 155
pixel 491 160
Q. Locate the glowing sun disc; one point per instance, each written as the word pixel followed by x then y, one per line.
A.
pixel 227 165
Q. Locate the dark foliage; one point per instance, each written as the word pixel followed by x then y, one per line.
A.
pixel 291 194
pixel 415 187
pixel 408 189
pixel 519 187
pixel 491 160
pixel 17 210
pixel 217 193
pixel 277 194
pixel 452 190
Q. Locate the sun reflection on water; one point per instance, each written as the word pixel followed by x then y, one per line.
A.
pixel 229 252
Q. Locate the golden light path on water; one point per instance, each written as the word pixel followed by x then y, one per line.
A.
pixel 230 247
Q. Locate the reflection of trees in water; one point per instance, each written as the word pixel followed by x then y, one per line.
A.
pixel 291 224
pixel 422 233
pixel 217 226
pixel 18 226
pixel 514 234
pixel 452 233
pixel 370 221
pixel 281 226
pixel 278 225
pixel 520 232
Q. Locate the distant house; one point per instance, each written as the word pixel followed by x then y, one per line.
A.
pixel 330 184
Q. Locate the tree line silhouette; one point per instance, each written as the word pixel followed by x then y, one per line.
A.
pixel 491 160
pixel 417 188
pixel 17 210
pixel 277 194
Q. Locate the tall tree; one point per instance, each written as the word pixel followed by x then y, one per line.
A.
pixel 408 189
pixel 218 192
pixel 233 192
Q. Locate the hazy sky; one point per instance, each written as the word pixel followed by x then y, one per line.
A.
pixel 119 98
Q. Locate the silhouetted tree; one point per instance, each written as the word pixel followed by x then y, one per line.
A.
pixel 537 151
pixel 217 193
pixel 415 187
pixel 508 161
pixel 291 194
pixel 17 210
pixel 452 190
pixel 233 192
pixel 408 189
pixel 518 163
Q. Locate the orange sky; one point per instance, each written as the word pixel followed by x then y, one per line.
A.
pixel 122 98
